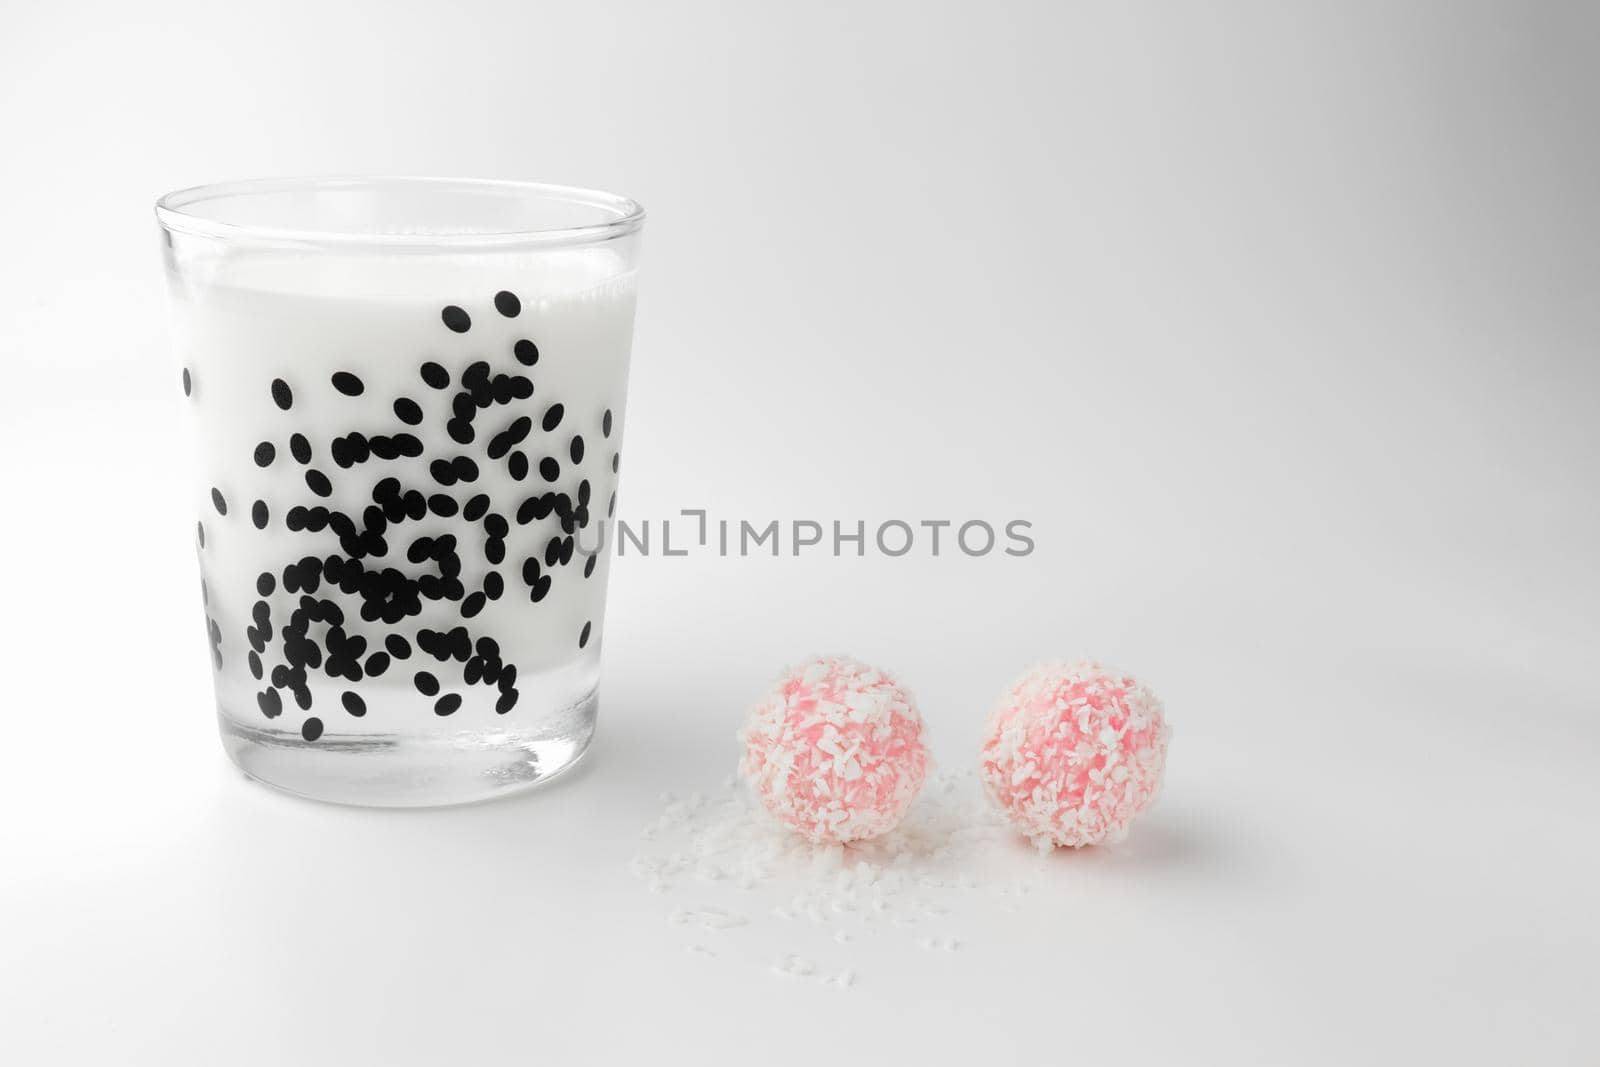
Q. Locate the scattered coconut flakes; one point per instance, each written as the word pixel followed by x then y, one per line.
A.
pixel 920 871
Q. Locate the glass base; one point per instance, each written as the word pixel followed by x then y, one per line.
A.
pixel 411 770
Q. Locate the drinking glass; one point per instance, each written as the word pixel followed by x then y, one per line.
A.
pixel 406 398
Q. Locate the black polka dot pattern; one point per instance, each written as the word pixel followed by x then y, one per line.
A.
pixel 424 538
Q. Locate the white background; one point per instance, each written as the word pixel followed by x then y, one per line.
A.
pixel 1278 321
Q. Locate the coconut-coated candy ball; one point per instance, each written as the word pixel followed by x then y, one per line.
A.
pixel 834 750
pixel 1073 752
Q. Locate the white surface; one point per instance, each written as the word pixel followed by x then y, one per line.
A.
pixel 1277 323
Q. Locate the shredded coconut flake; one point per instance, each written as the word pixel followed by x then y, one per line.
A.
pixel 832 896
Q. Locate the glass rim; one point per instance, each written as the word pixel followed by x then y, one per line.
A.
pixel 172 211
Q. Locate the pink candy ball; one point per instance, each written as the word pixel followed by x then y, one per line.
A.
pixel 1073 752
pixel 834 751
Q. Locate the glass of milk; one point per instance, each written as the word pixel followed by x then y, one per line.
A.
pixel 406 397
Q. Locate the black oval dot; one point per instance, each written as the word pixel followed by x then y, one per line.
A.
pixel 311 729
pixel 475 508
pixel 616 461
pixel 300 448
pixel 493 585
pixel 549 469
pixel 583 636
pixel 188 382
pixel 426 683
pixel 353 703
pixel 435 375
pixel 408 411
pixel 200 532
pixel 255 665
pixel 259 514
pixel 266 452
pixel 527 352
pixel 575 450
pixel 588 566
pixel 318 483
pixel 282 395
pixel 447 704
pixel 517 465
pixel 472 605
pixel 377 663
pixel 458 320
pixel 605 424
pixel 266 583
pixel 348 383
pixel 442 505
pixel 460 431
pixel 507 304
pixel 271 703
pixel 552 417
pixel 219 503
pixel 398 646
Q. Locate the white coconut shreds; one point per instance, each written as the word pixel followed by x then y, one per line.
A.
pixel 739 883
